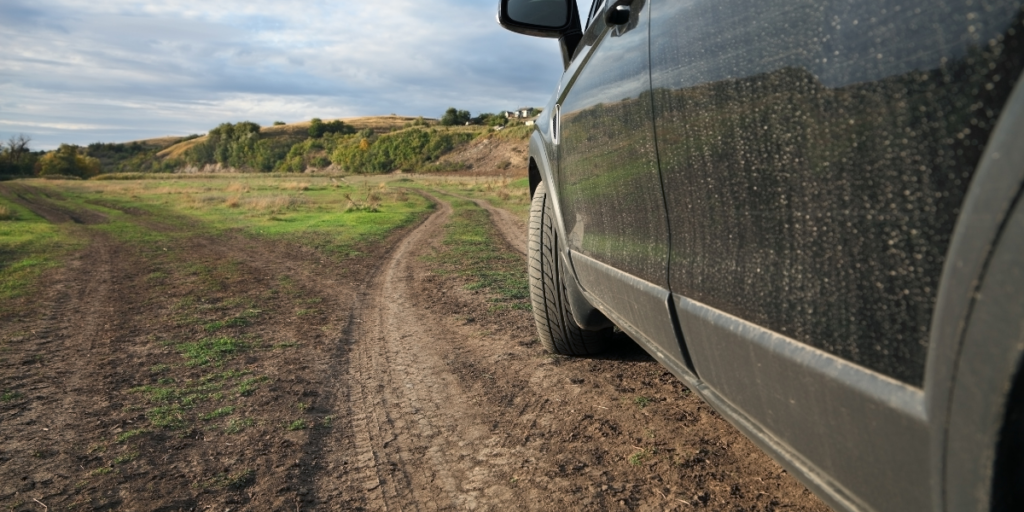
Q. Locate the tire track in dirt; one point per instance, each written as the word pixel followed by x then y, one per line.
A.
pixel 39 202
pixel 76 324
pixel 419 441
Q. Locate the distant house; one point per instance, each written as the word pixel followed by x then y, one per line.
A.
pixel 521 113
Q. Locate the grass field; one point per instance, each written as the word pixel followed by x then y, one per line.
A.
pixel 331 214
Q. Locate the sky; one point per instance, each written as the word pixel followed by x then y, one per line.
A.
pixel 82 71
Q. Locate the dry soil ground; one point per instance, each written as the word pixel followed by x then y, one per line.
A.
pixel 373 383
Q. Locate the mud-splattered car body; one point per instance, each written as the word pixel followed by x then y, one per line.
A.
pixel 809 212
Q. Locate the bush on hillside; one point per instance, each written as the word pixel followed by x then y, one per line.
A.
pixel 310 153
pixel 455 117
pixel 318 128
pixel 131 157
pixel 235 145
pixel 68 161
pixel 409 150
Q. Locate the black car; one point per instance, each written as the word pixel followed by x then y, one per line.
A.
pixel 808 210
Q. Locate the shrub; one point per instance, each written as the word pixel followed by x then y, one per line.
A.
pixel 453 117
pixel 409 149
pixel 132 157
pixel 67 161
pixel 318 128
pixel 235 145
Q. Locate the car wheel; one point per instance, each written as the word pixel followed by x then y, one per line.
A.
pixel 556 327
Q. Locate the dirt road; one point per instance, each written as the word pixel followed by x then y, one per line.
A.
pixel 370 383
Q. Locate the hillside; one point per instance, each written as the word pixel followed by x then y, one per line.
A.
pixel 358 145
pixel 295 132
pixel 491 155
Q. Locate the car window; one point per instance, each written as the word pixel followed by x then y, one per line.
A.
pixel 588 13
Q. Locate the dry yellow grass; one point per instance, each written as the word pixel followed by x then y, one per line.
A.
pixel 160 142
pixel 237 187
pixel 174 190
pixel 359 123
pixel 294 185
pixel 272 204
pixel 177 150
pixel 233 202
pixel 6 213
pixel 200 202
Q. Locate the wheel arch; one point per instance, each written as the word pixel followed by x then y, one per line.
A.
pixel 971 364
pixel 541 169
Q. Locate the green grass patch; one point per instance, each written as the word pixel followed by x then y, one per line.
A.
pixel 28 246
pixel 125 436
pixel 299 424
pixel 172 406
pixel 126 458
pixel 169 416
pixel 247 386
pixel 219 413
pixel 238 426
pixel 211 351
pixel 10 396
pixel 472 249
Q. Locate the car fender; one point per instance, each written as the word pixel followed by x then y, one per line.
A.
pixel 541 169
pixel 969 368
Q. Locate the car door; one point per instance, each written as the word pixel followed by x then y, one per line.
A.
pixel 609 184
pixel 815 156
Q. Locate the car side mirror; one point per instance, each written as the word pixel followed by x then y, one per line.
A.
pixel 544 18
pixel 540 18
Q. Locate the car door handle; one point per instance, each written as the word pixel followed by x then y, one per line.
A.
pixel 618 13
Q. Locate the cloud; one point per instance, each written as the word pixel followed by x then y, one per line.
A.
pixel 55 126
pixel 81 71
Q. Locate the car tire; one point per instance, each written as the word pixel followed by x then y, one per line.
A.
pixel 556 328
